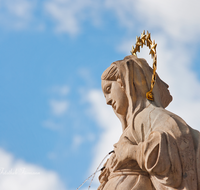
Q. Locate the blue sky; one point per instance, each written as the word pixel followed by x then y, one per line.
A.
pixel 53 116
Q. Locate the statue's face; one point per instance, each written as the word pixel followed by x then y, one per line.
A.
pixel 114 93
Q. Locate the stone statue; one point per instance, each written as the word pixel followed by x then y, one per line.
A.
pixel 157 149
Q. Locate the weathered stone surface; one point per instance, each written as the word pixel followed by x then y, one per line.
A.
pixel 157 149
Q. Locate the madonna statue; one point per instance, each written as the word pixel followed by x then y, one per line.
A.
pixel 157 149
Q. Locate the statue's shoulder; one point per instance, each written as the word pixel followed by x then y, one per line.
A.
pixel 153 113
pixel 164 120
pixel 158 118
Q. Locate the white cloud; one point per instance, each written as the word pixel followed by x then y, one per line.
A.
pixel 58 107
pixel 19 175
pixel 68 14
pixel 177 19
pixel 16 14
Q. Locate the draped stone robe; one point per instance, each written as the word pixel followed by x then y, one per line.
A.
pixel 168 155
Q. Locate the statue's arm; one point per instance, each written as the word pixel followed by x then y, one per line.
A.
pixel 159 156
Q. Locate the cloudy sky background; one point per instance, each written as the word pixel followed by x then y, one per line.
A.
pixel 55 126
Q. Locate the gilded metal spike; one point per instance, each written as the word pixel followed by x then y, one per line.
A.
pixel 143 37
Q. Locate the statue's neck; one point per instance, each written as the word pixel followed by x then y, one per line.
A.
pixel 128 119
pixel 139 106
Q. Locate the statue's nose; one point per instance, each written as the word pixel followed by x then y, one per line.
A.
pixel 109 101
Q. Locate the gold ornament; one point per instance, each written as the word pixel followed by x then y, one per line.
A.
pixel 143 37
pixel 146 40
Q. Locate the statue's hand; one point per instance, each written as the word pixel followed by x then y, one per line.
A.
pixel 124 151
pixel 121 151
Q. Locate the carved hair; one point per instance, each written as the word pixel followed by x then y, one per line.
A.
pixel 111 73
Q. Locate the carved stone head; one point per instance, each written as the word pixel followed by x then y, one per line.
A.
pixel 125 84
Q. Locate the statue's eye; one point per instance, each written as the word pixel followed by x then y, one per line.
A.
pixel 108 88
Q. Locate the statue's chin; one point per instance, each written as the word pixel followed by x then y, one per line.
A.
pixel 120 111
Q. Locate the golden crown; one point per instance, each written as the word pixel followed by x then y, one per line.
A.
pixel 145 39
